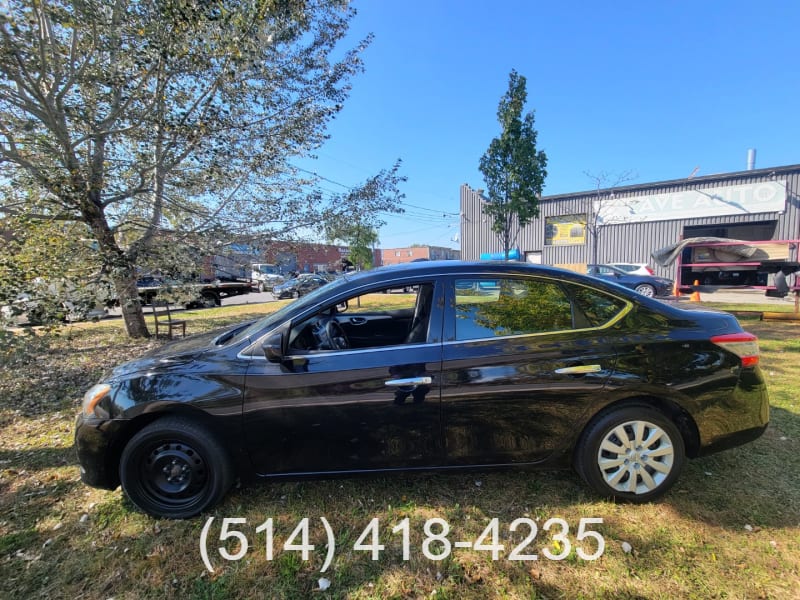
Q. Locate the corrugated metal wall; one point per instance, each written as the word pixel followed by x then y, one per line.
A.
pixel 628 242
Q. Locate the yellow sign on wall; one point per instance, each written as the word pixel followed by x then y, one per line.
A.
pixel 565 230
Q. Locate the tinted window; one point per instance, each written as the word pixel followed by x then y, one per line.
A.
pixel 601 270
pixel 499 307
pixel 597 307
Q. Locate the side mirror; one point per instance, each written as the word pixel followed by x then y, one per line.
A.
pixel 341 307
pixel 273 347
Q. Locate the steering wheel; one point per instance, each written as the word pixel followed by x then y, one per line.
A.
pixel 332 336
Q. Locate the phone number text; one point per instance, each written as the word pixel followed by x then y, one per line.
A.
pixel 436 542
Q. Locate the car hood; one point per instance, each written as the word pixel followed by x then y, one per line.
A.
pixel 178 351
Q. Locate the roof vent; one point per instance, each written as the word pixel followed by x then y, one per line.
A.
pixel 751 159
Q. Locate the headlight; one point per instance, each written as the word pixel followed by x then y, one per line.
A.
pixel 92 397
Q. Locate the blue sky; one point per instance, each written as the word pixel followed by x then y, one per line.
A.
pixel 657 89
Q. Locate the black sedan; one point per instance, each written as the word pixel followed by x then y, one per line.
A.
pixel 299 286
pixel 646 285
pixel 486 364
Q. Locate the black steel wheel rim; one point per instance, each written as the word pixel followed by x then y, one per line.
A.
pixel 173 473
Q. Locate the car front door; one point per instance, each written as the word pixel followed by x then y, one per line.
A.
pixel 523 359
pixel 352 409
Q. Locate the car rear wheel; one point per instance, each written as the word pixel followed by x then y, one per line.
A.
pixel 645 289
pixel 175 468
pixel 633 453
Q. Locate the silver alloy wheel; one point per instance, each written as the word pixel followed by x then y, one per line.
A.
pixel 645 289
pixel 635 457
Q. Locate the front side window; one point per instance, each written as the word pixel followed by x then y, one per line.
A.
pixel 601 270
pixel 381 317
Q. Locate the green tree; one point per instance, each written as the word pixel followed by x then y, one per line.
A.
pixel 348 223
pixel 361 240
pixel 513 169
pixel 138 116
pixel 49 271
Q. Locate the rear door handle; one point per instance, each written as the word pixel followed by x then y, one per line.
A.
pixel 410 381
pixel 579 370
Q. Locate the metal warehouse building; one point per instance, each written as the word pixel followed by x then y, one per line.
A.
pixel 754 205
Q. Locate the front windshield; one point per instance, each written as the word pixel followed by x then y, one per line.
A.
pixel 276 318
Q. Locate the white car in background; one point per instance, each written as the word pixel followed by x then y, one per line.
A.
pixel 634 268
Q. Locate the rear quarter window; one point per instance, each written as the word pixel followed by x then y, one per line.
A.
pixel 597 307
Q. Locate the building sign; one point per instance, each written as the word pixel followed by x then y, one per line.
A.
pixel 566 230
pixel 768 196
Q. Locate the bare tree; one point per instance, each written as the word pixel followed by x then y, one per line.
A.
pixel 605 208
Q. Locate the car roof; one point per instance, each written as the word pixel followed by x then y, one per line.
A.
pixel 457 267
pixel 611 266
pixel 354 283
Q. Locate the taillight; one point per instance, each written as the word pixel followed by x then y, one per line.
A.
pixel 649 270
pixel 744 345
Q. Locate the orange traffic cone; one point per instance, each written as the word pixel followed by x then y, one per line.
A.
pixel 695 297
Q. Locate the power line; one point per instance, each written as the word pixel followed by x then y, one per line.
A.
pixel 402 203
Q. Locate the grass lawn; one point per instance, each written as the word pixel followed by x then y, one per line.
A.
pixel 729 529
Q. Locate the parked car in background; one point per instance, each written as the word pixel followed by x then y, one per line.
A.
pixel 646 285
pixel 634 268
pixel 486 365
pixel 299 286
pixel 266 276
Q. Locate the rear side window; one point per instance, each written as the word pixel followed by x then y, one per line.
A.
pixel 502 307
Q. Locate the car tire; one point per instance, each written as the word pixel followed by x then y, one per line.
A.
pixel 175 468
pixel 611 460
pixel 645 289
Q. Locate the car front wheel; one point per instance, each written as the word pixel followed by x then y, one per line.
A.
pixel 175 469
pixel 633 454
pixel 645 289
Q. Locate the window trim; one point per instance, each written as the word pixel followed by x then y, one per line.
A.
pixel 449 334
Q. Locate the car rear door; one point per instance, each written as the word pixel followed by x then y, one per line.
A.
pixel 522 362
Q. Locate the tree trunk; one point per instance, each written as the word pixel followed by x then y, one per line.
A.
pixel 121 268
pixel 130 304
pixel 507 237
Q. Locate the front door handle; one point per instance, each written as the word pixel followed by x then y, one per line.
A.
pixel 579 370
pixel 410 381
pixel 357 320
